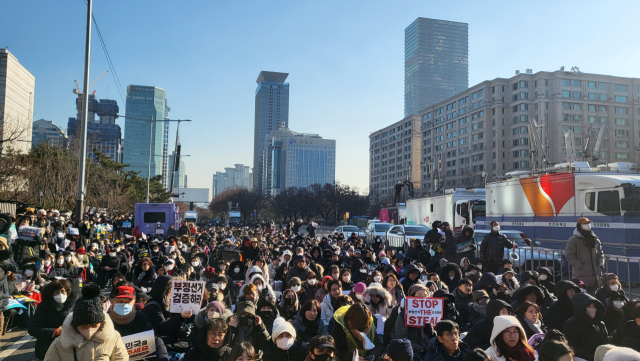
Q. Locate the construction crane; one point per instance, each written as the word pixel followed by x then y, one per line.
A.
pixel 77 89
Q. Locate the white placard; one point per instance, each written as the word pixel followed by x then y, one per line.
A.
pixel 186 296
pixel 26 232
pixel 140 345
pixel 159 231
pixel 420 311
pixel 73 231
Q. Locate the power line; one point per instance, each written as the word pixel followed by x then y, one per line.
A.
pixel 114 74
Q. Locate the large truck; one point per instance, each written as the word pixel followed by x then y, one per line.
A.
pixel 546 204
pixel 458 206
pixel 191 217
pixel 148 215
pixel 394 214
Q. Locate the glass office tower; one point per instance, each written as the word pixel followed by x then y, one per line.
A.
pixel 436 62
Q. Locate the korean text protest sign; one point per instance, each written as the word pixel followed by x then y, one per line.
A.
pixel 140 345
pixel 421 311
pixel 29 233
pixel 186 296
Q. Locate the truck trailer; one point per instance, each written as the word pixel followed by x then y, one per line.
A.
pixel 457 206
pixel 148 215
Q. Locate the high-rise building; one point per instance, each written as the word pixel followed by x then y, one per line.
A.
pixel 271 112
pixel 483 133
pixel 179 176
pixel 17 90
pixel 103 134
pixel 145 110
pixel 436 62
pixel 238 176
pixel 46 131
pixel 296 160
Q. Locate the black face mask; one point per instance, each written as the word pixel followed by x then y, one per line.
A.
pixel 266 314
pixel 247 320
pixel 289 301
pixel 323 357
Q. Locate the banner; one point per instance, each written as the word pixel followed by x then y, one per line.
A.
pixel 159 231
pixel 420 311
pixel 140 345
pixel 186 296
pixel 126 224
pixel 465 246
pixel 26 232
pixel 73 231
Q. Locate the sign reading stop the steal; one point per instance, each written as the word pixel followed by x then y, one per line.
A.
pixel 421 311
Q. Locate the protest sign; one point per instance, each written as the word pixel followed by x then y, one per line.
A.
pixel 186 296
pixel 126 224
pixel 26 232
pixel 140 345
pixel 420 311
pixel 73 231
pixel 465 246
pixel 159 231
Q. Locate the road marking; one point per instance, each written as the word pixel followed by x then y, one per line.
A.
pixel 16 345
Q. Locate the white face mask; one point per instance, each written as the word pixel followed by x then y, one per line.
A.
pixel 60 298
pixel 222 286
pixel 359 296
pixel 614 288
pixel 586 226
pixel 479 266
pixel 60 261
pixel 236 270
pixel 583 290
pixel 312 281
pixel 47 263
pixel 195 263
pixel 296 289
pixel 496 228
pixel 285 343
pixel 452 277
pixel 334 276
pixel 68 259
pixel 377 279
pixel 362 270
pixel 543 277
pixel 618 304
pixel 112 254
pixel 28 273
pixel 89 332
pixel 169 267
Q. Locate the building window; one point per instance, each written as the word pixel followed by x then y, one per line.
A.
pixel 592 85
pixel 592 108
pixel 620 110
pixel 566 82
pixel 622 155
pixel 565 94
pixel 622 144
pixel 576 83
pixel 622 133
pixel 602 97
pixel 621 99
pixel 592 96
pixel 576 95
pixel 621 121
pixel 620 88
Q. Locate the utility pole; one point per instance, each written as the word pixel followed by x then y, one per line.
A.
pixel 85 115
pixel 176 160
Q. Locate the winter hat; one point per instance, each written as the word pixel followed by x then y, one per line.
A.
pixel 245 306
pixel 325 279
pixel 622 354
pixel 217 305
pixel 280 326
pixel 417 287
pixel 601 351
pixel 400 350
pixel 359 288
pixel 501 323
pixel 255 269
pixel 294 281
pixel 80 250
pixel 88 308
pixel 477 295
pixel 209 272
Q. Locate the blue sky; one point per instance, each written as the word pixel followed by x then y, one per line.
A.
pixel 345 60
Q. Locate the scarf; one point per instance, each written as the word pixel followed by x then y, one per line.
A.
pixel 481 309
pixel 122 320
pixel 312 326
pixel 519 353
pixel 206 350
pixel 245 335
pixel 589 237
pixel 535 327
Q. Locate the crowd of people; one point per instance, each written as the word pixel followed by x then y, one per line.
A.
pixel 272 293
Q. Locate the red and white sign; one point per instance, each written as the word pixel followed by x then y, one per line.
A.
pixel 426 219
pixel 420 311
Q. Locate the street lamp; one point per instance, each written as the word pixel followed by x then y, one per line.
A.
pixel 151 121
pixel 172 173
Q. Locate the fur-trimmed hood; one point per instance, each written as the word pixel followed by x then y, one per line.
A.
pixel 70 337
pixel 376 290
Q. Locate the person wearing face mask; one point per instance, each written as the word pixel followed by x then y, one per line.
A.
pixel 285 345
pixel 45 325
pixel 360 271
pixel 478 307
pixel 547 279
pixel 28 280
pixel 492 248
pixel 614 303
pixel 245 326
pixel 289 305
pixel 345 278
pixel 629 333
pixel 298 269
pixel 322 348
pixel 62 268
pixel 127 320
pixel 585 331
pixel 209 345
pixel 584 253
pixel 562 309
pixel 610 284
pixel 354 329
pixel 268 311
pixel 450 274
pixel 309 287
pixel 109 265
pixel 198 262
pixel 88 333
pixel 223 290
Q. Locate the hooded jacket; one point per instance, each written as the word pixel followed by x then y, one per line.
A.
pixel 629 335
pixel 465 236
pixel 444 275
pixel 406 282
pixel 562 309
pixel 488 282
pixel 383 308
pixel 165 324
pixel 500 324
pixel 587 262
pixel 202 351
pixel 265 272
pixel 525 290
pixel 479 334
pixel 105 344
pixel 295 271
pixel 346 343
pixel 266 288
pixel 584 333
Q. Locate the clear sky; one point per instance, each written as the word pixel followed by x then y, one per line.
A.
pixel 345 60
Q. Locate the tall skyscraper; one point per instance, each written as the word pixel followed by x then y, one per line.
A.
pixel 297 160
pixel 436 62
pixel 17 89
pixel 238 176
pixel 179 176
pixel 146 102
pixel 103 134
pixel 271 113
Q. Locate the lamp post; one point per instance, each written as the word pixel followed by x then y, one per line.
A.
pixel 162 156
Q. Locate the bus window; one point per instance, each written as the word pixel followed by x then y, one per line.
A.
pixel 154 217
pixel 590 201
pixel 609 203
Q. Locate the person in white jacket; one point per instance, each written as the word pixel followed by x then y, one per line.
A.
pixel 329 302
pixel 508 341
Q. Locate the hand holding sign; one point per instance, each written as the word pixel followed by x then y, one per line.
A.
pixel 186 297
pixel 421 311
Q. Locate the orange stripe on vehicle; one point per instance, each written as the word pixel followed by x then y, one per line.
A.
pixel 539 204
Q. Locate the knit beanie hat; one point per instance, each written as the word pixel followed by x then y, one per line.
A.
pixel 601 351
pixel 88 308
pixel 359 287
pixel 280 326
pixel 477 295
pixel 209 272
pixel 245 306
pixel 622 354
pixel 400 350
pixel 325 279
pixel 217 305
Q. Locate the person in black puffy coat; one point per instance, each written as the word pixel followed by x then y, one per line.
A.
pixel 58 299
pixel 562 309
pixel 480 334
pixel 451 275
pixel 585 331
pixel 629 333
pixel 210 343
pixel 493 247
